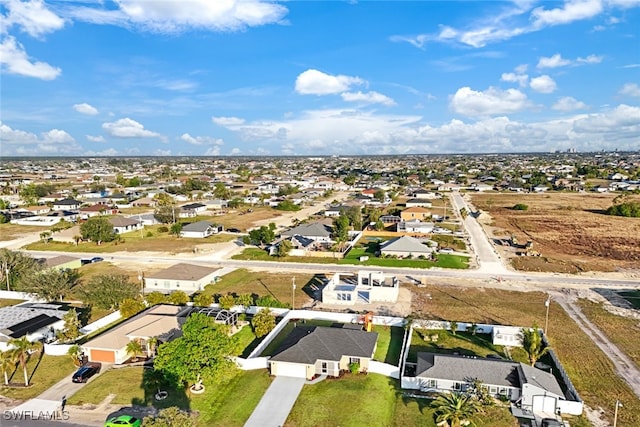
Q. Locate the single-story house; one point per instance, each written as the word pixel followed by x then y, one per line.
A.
pixel 334 211
pixel 314 231
pixel 535 389
pixel 66 204
pixel 405 246
pixel 63 262
pixel 200 229
pixel 415 213
pixel 161 321
pixel 184 277
pixel 37 209
pixel 217 204
pixel 195 207
pixel 415 226
pixel 316 350
pixel 97 210
pixel 144 201
pixel 424 194
pixel 420 203
pixel 124 225
pixel 390 219
pixel 33 320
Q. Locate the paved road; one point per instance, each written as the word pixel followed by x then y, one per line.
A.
pixel 276 403
pixel 488 259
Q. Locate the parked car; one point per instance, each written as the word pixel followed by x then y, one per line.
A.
pixel 85 372
pixel 446 251
pixel 123 420
pixel 234 230
pixel 551 422
pixel 97 259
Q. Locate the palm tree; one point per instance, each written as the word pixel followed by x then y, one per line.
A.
pixel 21 351
pixel 453 325
pixel 453 408
pixel 134 348
pixel 6 364
pixel 532 344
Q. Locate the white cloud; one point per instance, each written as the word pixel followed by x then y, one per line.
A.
pixel 128 128
pixel 368 98
pixel 568 103
pixel 543 84
pixel 14 60
pixel 521 79
pixel 212 151
pixel 572 10
pixel 180 16
pixel 53 142
pixel 94 138
pixel 32 17
pixel 591 59
pixel 554 61
pixel 201 140
pixel 491 102
pixel 630 89
pixel 227 121
pixel 85 108
pixel 314 82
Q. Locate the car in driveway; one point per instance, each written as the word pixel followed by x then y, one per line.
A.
pixel 85 372
pixel 234 230
pixel 446 251
pixel 96 259
pixel 123 421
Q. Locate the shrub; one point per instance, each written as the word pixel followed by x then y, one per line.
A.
pixel 354 367
pixel 163 229
pixel 629 209
pixel 520 207
pixel 149 234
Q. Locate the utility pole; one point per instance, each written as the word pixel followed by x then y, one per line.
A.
pixel 615 413
pixel 6 273
pixel 293 293
pixel 547 303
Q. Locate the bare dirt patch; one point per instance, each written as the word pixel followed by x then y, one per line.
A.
pixel 570 231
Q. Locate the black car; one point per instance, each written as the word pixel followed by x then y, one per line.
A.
pixel 85 372
pixel 234 230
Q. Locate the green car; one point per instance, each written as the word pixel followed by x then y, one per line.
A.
pixel 123 420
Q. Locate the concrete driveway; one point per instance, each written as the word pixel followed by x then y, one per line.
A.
pixel 274 407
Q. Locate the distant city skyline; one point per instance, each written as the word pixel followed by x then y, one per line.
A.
pixel 261 78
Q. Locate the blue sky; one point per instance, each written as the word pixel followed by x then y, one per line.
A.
pixel 202 77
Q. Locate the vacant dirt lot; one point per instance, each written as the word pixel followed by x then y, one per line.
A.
pixel 570 231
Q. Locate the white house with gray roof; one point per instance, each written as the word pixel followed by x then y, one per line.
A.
pixel 184 277
pixel 316 350
pixel 316 231
pixel 200 229
pixel 406 247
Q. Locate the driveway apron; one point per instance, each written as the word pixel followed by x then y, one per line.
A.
pixel 274 407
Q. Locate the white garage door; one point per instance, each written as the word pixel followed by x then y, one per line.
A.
pixel 544 404
pixel 289 369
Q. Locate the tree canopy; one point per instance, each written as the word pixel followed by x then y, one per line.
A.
pixel 51 284
pixel 203 349
pixel 98 230
pixel 108 290
pixel 263 322
pixel 532 343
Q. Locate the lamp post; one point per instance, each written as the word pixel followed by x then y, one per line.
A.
pixel 547 303
pixel 615 413
pixel 293 293
pixel 6 273
pixel 141 279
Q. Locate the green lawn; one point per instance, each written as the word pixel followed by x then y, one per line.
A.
pixel 389 344
pixel 9 302
pixel 371 400
pixel 43 372
pixel 353 258
pixel 463 343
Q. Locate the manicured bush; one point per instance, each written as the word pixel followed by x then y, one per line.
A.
pixel 520 207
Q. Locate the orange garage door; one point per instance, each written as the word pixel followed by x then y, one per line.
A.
pixel 106 356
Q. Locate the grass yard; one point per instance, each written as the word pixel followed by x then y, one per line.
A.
pixel 10 231
pixel 43 373
pixel 9 302
pixel 622 331
pixel 389 344
pixel 242 281
pixel 242 219
pixel 353 258
pixel 590 370
pixel 136 241
pixel 371 400
pixel 462 343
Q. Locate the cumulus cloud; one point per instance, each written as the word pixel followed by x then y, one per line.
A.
pixel 543 84
pixel 521 79
pixel 95 138
pixel 571 10
pixel 568 103
pixel 227 121
pixel 368 98
pixel 179 16
pixel 591 59
pixel 630 89
pixel 553 61
pixel 32 17
pixel 201 140
pixel 314 82
pixel 491 102
pixel 85 108
pixel 52 142
pixel 128 128
pixel 14 60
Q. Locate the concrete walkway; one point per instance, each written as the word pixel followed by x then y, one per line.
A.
pixel 274 407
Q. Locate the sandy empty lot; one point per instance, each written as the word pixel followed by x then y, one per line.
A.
pixel 570 230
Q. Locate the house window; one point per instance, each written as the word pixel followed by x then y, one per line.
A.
pixel 324 367
pixel 503 391
pixel 457 386
pixel 493 390
pixel 432 384
pixel 354 360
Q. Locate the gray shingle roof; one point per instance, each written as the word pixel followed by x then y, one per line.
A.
pixel 405 244
pixel 198 227
pixel 183 271
pixel 307 344
pixel 120 221
pixel 539 378
pixel 314 229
